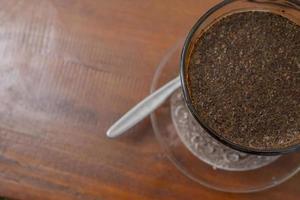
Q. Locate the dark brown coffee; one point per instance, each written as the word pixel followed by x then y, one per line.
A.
pixel 243 79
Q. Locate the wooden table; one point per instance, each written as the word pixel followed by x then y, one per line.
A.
pixel 69 69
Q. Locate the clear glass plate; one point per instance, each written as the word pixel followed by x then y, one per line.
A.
pixel 258 173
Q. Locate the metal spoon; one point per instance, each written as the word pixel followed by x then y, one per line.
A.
pixel 143 109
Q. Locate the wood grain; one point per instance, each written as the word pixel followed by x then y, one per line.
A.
pixel 69 69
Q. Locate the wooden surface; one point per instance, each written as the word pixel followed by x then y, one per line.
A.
pixel 68 70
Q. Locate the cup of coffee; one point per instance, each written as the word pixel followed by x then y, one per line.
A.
pixel 240 74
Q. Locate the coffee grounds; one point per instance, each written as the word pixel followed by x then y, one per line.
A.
pixel 243 79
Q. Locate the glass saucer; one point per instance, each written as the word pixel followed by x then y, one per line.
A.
pixel 202 158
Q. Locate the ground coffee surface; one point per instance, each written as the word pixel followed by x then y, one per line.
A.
pixel 244 79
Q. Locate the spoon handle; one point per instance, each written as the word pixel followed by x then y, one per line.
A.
pixel 143 109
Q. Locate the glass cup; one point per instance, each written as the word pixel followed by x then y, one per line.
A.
pixel 287 8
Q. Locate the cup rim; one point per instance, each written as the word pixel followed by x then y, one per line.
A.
pixel 188 101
